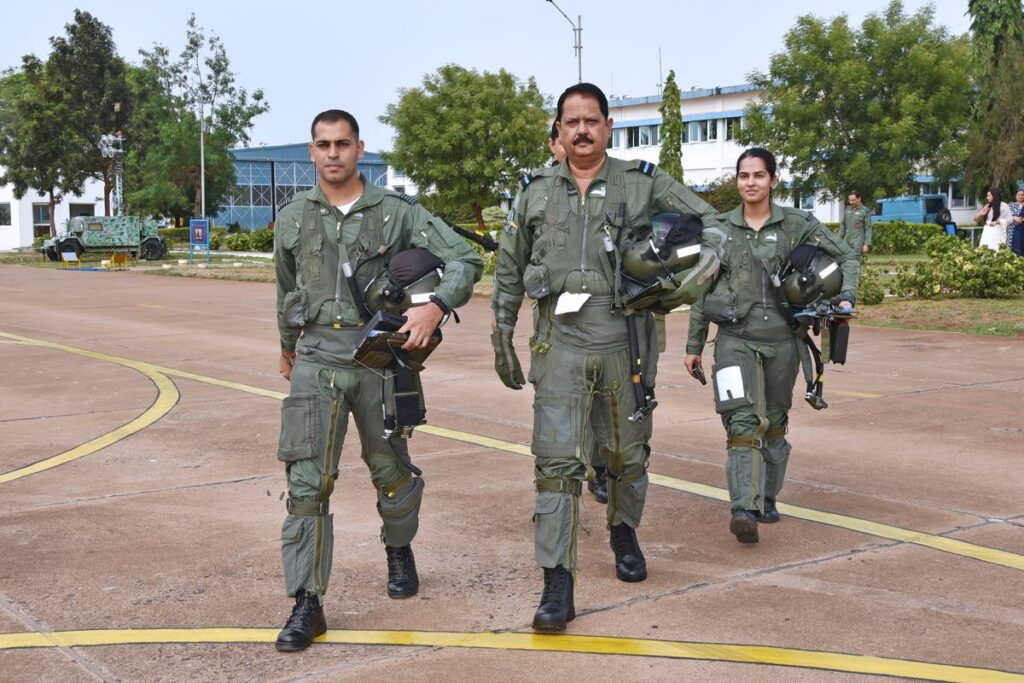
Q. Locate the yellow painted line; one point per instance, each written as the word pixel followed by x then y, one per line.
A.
pixel 941 543
pixel 855 394
pixel 167 397
pixel 635 647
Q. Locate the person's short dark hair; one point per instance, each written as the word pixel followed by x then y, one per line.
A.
pixel 764 155
pixel 855 193
pixel 553 133
pixel 332 115
pixel 587 90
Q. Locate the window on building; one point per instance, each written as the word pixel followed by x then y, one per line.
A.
pixel 701 131
pixel 40 219
pixel 5 214
pixel 713 129
pixel 807 203
pixel 733 124
pixel 82 210
pixel 400 189
pixel 957 198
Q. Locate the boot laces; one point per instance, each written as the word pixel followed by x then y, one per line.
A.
pixel 398 562
pixel 305 605
pixel 554 584
pixel 624 541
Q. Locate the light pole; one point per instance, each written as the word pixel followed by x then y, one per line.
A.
pixel 577 32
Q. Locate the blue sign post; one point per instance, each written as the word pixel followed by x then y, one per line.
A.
pixel 199 238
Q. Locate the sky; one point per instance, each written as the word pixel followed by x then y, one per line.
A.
pixel 319 55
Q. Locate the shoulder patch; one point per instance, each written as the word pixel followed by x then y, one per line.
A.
pixel 646 167
pixel 525 181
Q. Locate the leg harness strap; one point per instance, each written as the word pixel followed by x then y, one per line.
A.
pixel 743 441
pixel 307 508
pixel 573 486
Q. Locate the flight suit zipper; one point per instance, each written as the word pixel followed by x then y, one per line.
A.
pixel 583 240
pixel 337 284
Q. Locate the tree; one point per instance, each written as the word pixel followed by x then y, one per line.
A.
pixel 996 141
pixel 863 109
pixel 464 137
pixel 37 147
pixel 198 86
pixel 90 83
pixel 721 193
pixel 670 158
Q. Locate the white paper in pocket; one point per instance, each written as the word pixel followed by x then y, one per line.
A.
pixel 729 382
pixel 570 303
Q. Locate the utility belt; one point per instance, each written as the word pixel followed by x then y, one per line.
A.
pixel 595 327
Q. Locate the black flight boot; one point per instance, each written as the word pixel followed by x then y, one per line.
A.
pixel 744 526
pixel 403 582
pixel 599 485
pixel 556 602
pixel 306 623
pixel 771 513
pixel 630 564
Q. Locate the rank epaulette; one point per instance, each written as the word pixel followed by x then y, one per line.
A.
pixel 646 167
pixel 525 180
pixel 408 199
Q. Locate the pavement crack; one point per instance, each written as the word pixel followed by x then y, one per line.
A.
pixel 24 618
pixel 132 494
pixel 397 654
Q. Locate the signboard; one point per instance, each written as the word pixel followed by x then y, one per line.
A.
pixel 199 231
pixel 198 238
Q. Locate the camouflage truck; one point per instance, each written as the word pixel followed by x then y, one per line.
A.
pixel 132 234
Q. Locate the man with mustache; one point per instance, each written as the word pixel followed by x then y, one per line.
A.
pixel 348 230
pixel 561 243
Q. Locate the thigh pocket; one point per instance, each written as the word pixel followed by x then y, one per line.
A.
pixel 302 427
pixel 556 423
pixel 734 386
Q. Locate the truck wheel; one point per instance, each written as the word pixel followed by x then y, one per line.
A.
pixel 152 249
pixel 944 217
pixel 70 245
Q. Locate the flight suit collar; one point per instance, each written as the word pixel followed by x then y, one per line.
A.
pixel 565 172
pixel 736 217
pixel 371 195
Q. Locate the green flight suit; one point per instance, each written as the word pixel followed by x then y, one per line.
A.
pixel 856 229
pixel 318 319
pixel 756 351
pixel 553 244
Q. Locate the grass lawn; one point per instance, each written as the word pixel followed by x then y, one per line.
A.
pixel 996 317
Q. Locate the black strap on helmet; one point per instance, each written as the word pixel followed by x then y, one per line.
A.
pixel 686 228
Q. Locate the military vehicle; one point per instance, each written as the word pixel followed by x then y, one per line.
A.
pixel 132 234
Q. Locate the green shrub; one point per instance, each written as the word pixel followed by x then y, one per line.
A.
pixel 494 214
pixel 37 243
pixel 900 237
pixel 261 240
pixel 834 227
pixel 216 239
pixel 238 241
pixel 955 268
pixel 872 291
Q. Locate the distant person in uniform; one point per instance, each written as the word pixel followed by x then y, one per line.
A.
pixel 856 226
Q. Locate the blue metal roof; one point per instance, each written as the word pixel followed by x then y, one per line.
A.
pixel 298 151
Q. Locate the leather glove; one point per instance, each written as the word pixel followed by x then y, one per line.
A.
pixel 505 362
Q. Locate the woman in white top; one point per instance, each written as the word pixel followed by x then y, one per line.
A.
pixel 997 216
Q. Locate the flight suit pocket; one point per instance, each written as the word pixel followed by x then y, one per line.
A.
pixel 535 280
pixel 720 306
pixel 312 262
pixel 546 504
pixel 295 308
pixel 555 428
pixel 302 427
pixel 734 386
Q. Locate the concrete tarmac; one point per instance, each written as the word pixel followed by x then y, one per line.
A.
pixel 142 502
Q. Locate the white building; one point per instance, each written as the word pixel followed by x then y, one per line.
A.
pixel 711 119
pixel 21 220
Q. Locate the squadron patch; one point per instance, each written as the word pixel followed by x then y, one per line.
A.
pixel 510 224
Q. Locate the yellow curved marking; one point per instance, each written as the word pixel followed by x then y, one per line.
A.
pixel 636 647
pixel 167 397
pixel 941 543
pixel 948 545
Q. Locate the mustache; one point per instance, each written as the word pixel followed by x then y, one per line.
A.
pixel 582 137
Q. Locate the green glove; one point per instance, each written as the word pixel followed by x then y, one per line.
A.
pixel 505 362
